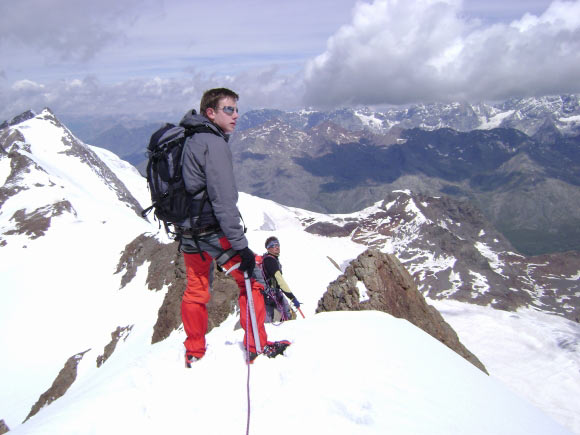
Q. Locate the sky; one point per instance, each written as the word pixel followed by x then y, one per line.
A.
pixel 144 56
pixel 393 378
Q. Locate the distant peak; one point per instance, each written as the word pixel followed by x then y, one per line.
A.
pixel 47 111
pixel 24 116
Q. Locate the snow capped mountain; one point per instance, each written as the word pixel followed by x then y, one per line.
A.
pixel 43 158
pixel 73 294
pixel 527 187
pixel 525 114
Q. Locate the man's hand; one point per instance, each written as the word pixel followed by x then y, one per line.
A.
pixel 248 261
pixel 296 303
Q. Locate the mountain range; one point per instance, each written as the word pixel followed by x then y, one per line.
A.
pixel 90 308
pixel 518 161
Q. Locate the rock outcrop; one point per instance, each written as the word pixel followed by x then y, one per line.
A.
pixel 166 268
pixel 390 288
pixel 116 335
pixel 61 384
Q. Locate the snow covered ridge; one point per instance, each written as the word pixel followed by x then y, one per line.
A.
pixel 413 386
pixel 77 291
pixel 453 252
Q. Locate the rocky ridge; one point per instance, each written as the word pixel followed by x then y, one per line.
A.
pixel 452 251
pixel 167 270
pixel 378 281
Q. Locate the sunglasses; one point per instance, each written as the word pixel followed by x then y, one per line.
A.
pixel 228 110
pixel 273 245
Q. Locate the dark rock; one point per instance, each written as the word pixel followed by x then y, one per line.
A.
pixel 116 335
pixel 390 289
pixel 167 269
pixel 37 222
pixel 61 384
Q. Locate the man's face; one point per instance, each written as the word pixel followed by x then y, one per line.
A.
pixel 223 116
pixel 275 249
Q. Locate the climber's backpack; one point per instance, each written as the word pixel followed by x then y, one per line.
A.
pixel 270 292
pixel 171 202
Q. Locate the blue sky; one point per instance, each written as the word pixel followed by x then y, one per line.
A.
pixel 145 56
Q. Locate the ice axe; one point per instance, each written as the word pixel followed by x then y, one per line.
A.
pixel 250 305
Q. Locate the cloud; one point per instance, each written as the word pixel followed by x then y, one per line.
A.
pixel 257 88
pixel 69 29
pixel 27 86
pixel 142 56
pixel 399 52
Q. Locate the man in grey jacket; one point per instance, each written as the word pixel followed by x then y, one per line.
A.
pixel 216 232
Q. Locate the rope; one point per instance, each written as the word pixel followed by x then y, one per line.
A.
pixel 279 306
pixel 248 363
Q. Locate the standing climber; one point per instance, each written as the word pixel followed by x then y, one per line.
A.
pixel 273 299
pixel 216 233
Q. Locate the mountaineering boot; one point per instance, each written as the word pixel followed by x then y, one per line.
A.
pixel 189 360
pixel 273 349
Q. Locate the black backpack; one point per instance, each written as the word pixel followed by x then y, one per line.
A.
pixel 171 202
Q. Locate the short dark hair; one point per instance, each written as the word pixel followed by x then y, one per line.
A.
pixel 211 98
pixel 271 239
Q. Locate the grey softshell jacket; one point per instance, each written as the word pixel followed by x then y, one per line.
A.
pixel 207 161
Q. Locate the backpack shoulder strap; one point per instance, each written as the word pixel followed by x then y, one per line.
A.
pixel 190 131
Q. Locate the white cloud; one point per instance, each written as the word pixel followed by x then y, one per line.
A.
pixel 257 88
pixel 27 86
pixel 398 52
pixel 147 56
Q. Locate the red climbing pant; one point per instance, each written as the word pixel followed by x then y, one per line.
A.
pixel 197 294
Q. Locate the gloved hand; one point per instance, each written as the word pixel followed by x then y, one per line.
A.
pixel 248 261
pixel 295 302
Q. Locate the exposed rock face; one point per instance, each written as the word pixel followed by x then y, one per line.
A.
pixel 116 335
pixel 390 289
pixel 11 144
pixel 61 384
pixel 36 223
pixel 3 427
pixel 29 114
pixel 167 268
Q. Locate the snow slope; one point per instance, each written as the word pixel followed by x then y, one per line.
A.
pixel 536 355
pixel 59 295
pixel 392 378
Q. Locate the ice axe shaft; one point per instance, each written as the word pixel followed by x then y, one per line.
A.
pixel 252 313
pixel 294 306
pixel 301 313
